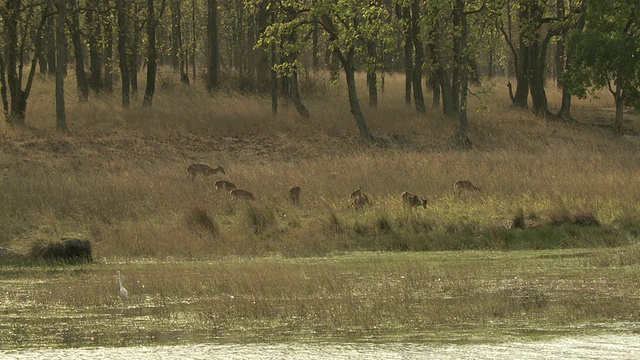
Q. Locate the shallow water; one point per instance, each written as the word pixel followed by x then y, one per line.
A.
pixel 611 346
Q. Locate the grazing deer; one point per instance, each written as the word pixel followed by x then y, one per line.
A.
pixel 242 194
pixel 359 199
pixel 412 200
pixel 204 170
pixel 294 194
pixel 224 185
pixel 462 185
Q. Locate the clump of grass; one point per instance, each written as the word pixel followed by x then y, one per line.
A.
pixel 332 223
pixel 518 221
pixel 383 225
pixel 66 250
pixel 259 219
pixel 199 218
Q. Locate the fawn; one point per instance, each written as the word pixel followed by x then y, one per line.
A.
pixel 294 194
pixel 462 185
pixel 412 200
pixel 224 185
pixel 242 194
pixel 359 199
pixel 204 170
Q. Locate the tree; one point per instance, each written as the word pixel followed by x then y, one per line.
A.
pixel 61 48
pixel 607 53
pixel 78 46
pixel 349 25
pixel 123 39
pixel 152 53
pixel 22 24
pixel 213 64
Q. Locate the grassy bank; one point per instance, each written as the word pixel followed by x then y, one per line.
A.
pixel 426 296
pixel 201 266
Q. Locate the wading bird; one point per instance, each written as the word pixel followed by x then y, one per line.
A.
pixel 123 292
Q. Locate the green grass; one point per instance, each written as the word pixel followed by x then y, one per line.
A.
pixel 438 296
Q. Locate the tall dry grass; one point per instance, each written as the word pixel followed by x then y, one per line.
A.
pixel 119 178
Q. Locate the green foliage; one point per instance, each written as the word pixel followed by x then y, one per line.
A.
pixel 607 51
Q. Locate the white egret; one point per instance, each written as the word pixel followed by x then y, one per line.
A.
pixel 123 292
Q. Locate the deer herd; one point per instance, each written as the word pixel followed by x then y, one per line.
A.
pixel 358 199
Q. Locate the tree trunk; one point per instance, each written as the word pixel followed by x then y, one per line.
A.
pixel 565 107
pixel 50 43
pixel 15 55
pixel 133 55
pixel 354 103
pixel 418 96
pixel 152 55
pixel 618 95
pixel 295 96
pixel 372 81
pixel 78 49
pixel 176 41
pixel 212 49
pixel 314 47
pixel 538 53
pixel 95 66
pixel 3 91
pixel 61 117
pixel 274 74
pixel 262 70
pixel 408 58
pixel 462 137
pixel 108 50
pixel 123 30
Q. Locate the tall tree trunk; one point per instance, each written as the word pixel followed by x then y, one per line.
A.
pixel 263 69
pixel 349 70
pixel 78 49
pixel 15 54
pixel 152 55
pixel 95 66
pixel 618 96
pixel 108 49
pixel 565 107
pixel 462 137
pixel 61 116
pixel 408 56
pixel 213 68
pixel 123 31
pixel 372 81
pixel 133 58
pixel 418 96
pixel 176 43
pixel 50 43
pixel 315 47
pixel 274 73
pixel 3 91
pixel 194 40
pixel 295 96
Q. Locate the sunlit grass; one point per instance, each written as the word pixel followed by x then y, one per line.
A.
pixel 431 295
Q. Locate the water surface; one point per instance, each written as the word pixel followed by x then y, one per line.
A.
pixel 608 346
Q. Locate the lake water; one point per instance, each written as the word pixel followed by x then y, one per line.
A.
pixel 614 346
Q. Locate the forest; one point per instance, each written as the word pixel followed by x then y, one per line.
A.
pixel 262 47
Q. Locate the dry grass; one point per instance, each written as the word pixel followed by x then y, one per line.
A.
pixel 120 177
pixel 426 295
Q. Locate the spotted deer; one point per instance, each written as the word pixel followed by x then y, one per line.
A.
pixel 224 185
pixel 204 170
pixel 411 200
pixel 294 194
pixel 242 194
pixel 359 199
pixel 464 185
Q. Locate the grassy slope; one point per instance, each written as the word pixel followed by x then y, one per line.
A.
pixel 120 180
pixel 120 177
